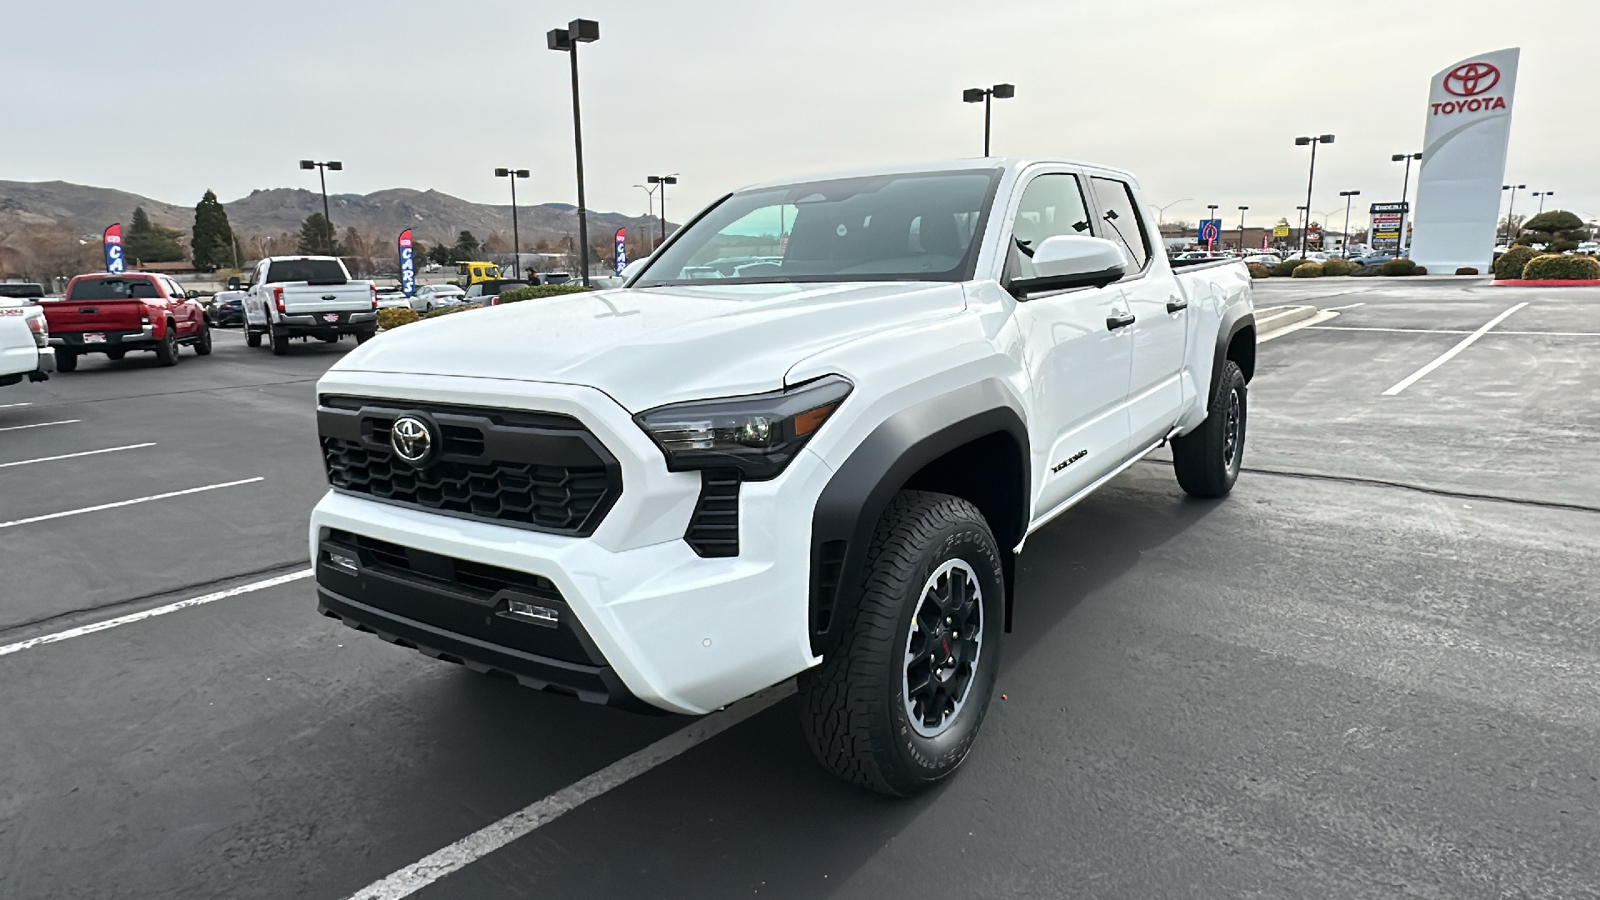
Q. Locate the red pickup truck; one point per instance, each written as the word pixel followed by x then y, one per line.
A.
pixel 114 314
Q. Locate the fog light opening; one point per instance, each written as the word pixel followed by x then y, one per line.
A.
pixel 344 563
pixel 528 612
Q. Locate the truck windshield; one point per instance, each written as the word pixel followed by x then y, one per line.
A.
pixel 904 227
pixel 311 271
pixel 111 289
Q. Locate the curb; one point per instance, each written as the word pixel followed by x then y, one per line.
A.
pixel 1547 282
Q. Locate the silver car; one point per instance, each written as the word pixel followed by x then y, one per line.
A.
pixel 430 297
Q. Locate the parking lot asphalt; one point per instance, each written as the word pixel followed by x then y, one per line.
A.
pixel 1370 672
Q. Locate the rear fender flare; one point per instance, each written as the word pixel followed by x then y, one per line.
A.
pixel 849 507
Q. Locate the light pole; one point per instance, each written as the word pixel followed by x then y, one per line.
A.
pixel 566 40
pixel 1161 211
pixel 516 236
pixel 1513 188
pixel 1405 195
pixel 1241 229
pixel 1211 209
pixel 1305 220
pixel 649 212
pixel 1541 195
pixel 1310 178
pixel 323 168
pixel 1348 196
pixel 986 96
pixel 663 181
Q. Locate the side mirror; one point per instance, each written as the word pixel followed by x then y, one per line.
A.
pixel 1068 261
pixel 192 295
pixel 233 282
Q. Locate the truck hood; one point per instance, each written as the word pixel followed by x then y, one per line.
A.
pixel 654 346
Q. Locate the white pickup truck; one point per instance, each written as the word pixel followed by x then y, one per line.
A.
pixel 809 437
pixel 305 297
pixel 25 350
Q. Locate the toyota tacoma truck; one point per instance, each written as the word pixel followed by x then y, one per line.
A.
pixel 808 437
pixel 305 297
pixel 25 350
pixel 117 313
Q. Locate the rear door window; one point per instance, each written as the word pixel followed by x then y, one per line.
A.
pixel 1120 222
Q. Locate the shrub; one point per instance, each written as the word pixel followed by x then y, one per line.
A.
pixel 395 317
pixel 1419 270
pixel 1367 271
pixel 1553 267
pixel 1257 270
pixel 1399 267
pixel 1287 267
pixel 1308 270
pixel 1334 267
pixel 447 310
pixel 1511 263
pixel 1558 230
pixel 1466 270
pixel 537 291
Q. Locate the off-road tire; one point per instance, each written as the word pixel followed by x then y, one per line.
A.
pixel 202 344
pixel 167 347
pixel 853 706
pixel 115 355
pixel 280 342
pixel 66 361
pixel 363 336
pixel 1205 460
pixel 252 338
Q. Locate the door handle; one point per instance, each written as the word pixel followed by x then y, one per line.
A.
pixel 1114 322
pixel 1177 305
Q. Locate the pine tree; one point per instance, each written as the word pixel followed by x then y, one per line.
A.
pixel 147 242
pixel 316 236
pixel 466 246
pixel 212 237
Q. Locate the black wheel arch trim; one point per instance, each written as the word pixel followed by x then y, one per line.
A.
pixel 849 507
pixel 1233 322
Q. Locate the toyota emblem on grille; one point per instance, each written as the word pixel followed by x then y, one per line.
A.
pixel 411 439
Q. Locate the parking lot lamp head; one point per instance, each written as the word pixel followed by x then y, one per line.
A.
pixel 986 96
pixel 516 235
pixel 1242 210
pixel 662 181
pixel 322 176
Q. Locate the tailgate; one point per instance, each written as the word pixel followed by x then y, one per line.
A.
pixel 77 316
pixel 301 299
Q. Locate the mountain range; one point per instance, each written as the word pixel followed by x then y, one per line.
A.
pixel 434 217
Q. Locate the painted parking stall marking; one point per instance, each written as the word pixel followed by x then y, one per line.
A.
pixel 13 405
pixel 120 503
pixel 213 597
pixel 28 462
pixel 524 821
pixel 40 425
pixel 1450 354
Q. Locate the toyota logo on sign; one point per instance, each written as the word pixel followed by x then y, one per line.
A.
pixel 1472 79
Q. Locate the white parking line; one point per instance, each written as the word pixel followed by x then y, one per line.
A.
pixel 40 424
pixel 25 462
pixel 1322 316
pixel 82 630
pixel 89 509
pixel 524 821
pixel 1450 354
pixel 1350 306
pixel 13 405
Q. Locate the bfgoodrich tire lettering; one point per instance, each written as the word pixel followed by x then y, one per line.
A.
pixel 1207 460
pixel 855 707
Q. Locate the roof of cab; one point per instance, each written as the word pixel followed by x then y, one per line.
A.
pixel 1013 164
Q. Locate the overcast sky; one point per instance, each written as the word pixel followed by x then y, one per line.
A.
pixel 1200 100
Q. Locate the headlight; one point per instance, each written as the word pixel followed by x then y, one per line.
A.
pixel 759 434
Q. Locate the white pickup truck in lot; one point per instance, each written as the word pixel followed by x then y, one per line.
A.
pixel 25 350
pixel 809 437
pixel 307 296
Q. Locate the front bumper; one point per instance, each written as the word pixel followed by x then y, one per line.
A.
pixel 679 632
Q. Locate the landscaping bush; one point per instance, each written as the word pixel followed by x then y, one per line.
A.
pixel 1558 230
pixel 1419 270
pixel 1466 270
pixel 448 310
pixel 1335 267
pixel 1511 263
pixel 1308 270
pixel 1399 267
pixel 1367 271
pixel 1287 267
pixel 1257 270
pixel 1554 267
pixel 537 291
pixel 394 318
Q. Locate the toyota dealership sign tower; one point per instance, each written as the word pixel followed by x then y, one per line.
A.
pixel 1464 162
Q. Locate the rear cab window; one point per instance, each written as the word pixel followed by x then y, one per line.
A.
pixel 116 288
pixel 311 271
pixel 1120 221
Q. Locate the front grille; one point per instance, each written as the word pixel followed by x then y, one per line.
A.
pixel 714 528
pixel 539 471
